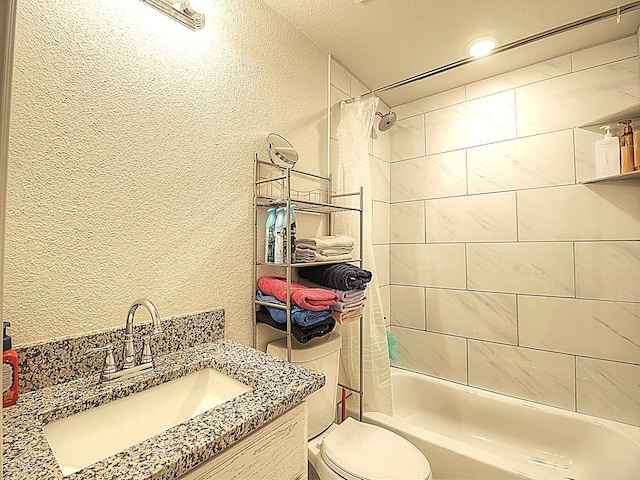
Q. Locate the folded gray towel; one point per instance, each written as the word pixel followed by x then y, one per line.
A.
pixel 346 296
pixel 349 306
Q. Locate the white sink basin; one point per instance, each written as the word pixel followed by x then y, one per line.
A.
pixel 92 435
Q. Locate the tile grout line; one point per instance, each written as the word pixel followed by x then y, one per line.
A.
pixel 467 355
pixel 575 271
pixel 517 319
pixel 575 383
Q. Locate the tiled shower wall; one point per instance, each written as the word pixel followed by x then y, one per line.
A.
pixel 506 273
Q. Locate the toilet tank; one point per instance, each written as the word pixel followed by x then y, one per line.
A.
pixel 322 355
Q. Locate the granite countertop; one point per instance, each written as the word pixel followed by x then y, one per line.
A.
pixel 276 387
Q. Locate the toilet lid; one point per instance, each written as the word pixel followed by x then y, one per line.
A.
pixel 369 452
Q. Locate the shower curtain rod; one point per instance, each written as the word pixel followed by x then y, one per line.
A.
pixel 613 12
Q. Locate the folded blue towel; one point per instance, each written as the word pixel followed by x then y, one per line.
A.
pixel 299 315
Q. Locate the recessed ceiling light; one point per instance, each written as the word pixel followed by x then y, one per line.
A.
pixel 482 47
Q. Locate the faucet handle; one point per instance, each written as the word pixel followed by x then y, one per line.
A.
pixel 147 356
pixel 109 364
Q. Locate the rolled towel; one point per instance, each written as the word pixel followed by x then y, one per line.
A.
pixel 342 276
pixel 299 316
pixel 343 295
pixel 301 334
pixel 328 241
pixel 314 299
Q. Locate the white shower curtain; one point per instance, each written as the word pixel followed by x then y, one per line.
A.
pixel 354 129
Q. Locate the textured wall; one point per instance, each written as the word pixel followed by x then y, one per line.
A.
pixel 506 273
pixel 131 150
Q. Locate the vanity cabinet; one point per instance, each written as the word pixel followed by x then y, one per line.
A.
pixel 276 451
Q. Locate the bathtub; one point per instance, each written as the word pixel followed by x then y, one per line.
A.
pixel 467 433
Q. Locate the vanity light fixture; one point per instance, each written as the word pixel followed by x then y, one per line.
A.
pixel 481 47
pixel 179 10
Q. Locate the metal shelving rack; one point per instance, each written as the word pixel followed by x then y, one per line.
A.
pixel 274 189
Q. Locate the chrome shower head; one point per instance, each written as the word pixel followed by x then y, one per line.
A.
pixel 386 121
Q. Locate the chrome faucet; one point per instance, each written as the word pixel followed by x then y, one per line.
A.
pixel 128 356
pixel 129 367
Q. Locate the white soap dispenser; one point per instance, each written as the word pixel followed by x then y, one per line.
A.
pixel 607 154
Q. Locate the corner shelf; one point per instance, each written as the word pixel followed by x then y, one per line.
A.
pixel 632 112
pixel 613 178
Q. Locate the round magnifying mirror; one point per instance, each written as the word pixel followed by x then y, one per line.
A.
pixel 281 151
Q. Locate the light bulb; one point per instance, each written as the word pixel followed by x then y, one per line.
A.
pixel 482 47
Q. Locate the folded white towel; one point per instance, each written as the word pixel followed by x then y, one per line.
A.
pixel 327 241
pixel 305 255
pixel 334 251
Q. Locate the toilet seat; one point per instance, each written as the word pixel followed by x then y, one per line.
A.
pixel 359 451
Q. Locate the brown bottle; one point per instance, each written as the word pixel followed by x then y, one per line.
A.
pixel 636 149
pixel 626 148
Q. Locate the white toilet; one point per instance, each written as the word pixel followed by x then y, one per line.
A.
pixel 352 450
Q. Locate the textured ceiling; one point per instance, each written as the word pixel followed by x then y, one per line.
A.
pixel 385 41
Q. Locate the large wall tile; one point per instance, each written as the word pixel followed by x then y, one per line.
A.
pixel 408 307
pixel 581 327
pixel 476 218
pixel 557 104
pixel 407 222
pixel 381 256
pixel 334 160
pixel 523 76
pixel 579 212
pixel 385 293
pixel 429 177
pixel 535 268
pixel 483 316
pixel 381 144
pixel 380 179
pixel 605 53
pixel 537 161
pixel 408 139
pixel 609 390
pixel 380 223
pixel 476 122
pixel 585 153
pixel 433 102
pixel 520 372
pixel 428 265
pixel 608 270
pixel 437 355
